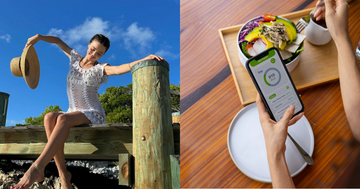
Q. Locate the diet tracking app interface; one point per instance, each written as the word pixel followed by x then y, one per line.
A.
pixel 275 85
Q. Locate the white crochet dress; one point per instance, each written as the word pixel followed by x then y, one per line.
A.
pixel 82 89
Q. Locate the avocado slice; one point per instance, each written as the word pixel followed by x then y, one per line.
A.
pixel 290 28
pixel 267 23
pixel 255 34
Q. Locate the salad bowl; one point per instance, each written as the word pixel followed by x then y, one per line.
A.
pixel 290 65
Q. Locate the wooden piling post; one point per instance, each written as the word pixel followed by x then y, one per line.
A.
pixel 152 125
pixel 125 171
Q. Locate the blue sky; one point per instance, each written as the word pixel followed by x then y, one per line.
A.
pixel 135 28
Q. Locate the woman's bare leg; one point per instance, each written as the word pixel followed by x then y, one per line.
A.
pixel 56 141
pixel 50 120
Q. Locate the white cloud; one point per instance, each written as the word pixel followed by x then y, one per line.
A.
pixel 80 35
pixel 112 57
pixel 167 54
pixel 56 32
pixel 137 40
pixel 6 37
pixel 14 122
pixel 80 47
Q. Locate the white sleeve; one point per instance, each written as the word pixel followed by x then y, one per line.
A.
pixel 74 56
pixel 104 77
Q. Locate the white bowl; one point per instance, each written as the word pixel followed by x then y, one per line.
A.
pixel 290 66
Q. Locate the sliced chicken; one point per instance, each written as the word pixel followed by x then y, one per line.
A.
pixel 300 38
pixel 275 33
pixel 285 54
pixel 291 48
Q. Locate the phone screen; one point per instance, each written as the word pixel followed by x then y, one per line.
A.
pixel 274 83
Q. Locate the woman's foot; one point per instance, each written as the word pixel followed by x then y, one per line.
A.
pixel 65 180
pixel 33 174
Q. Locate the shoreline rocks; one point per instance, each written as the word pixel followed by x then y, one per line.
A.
pixel 85 174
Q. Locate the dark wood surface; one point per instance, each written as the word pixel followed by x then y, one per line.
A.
pixel 209 102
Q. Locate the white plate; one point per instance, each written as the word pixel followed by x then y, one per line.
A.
pixel 247 149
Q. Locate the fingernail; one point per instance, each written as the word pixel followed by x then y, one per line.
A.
pixel 291 107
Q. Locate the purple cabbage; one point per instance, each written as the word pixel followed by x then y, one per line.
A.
pixel 249 27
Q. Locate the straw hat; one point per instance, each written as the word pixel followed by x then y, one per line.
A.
pixel 27 66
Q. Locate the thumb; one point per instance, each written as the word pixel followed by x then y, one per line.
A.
pixel 27 45
pixel 288 115
pixel 329 7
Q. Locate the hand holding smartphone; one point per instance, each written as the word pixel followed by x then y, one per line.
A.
pixel 274 84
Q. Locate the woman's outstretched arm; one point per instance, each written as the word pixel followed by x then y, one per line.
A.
pixel 336 14
pixel 50 39
pixel 125 68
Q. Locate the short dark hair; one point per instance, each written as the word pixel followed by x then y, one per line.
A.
pixel 102 39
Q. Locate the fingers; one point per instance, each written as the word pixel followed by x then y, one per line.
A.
pixel 317 3
pixel 263 114
pixel 32 40
pixel 260 105
pixel 295 119
pixel 320 13
pixel 27 45
pixel 159 58
pixel 288 115
pixel 329 6
pixel 317 13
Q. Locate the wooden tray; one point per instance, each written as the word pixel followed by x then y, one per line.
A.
pixel 318 64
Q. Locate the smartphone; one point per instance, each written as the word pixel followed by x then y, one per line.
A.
pixel 274 84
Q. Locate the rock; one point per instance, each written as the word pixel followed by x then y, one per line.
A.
pixel 82 177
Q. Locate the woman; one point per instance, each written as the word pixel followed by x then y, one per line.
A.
pixel 336 14
pixel 83 81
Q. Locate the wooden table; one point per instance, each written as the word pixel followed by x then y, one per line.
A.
pixel 209 102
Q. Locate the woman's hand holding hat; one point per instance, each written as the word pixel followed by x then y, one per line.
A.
pixel 27 66
pixel 32 40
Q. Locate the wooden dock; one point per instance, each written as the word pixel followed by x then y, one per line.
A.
pixel 88 142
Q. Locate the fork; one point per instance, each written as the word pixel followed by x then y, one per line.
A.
pixel 303 153
pixel 303 22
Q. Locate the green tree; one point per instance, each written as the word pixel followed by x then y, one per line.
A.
pixel 40 120
pixel 117 103
pixel 175 97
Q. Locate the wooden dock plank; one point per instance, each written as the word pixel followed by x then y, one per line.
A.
pixel 84 142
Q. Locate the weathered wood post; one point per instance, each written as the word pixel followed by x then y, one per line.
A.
pixel 152 125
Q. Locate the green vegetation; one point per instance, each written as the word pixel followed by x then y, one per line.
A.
pixel 175 99
pixel 117 103
pixel 40 120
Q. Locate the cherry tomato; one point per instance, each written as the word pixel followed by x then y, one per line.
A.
pixel 248 46
pixel 269 17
